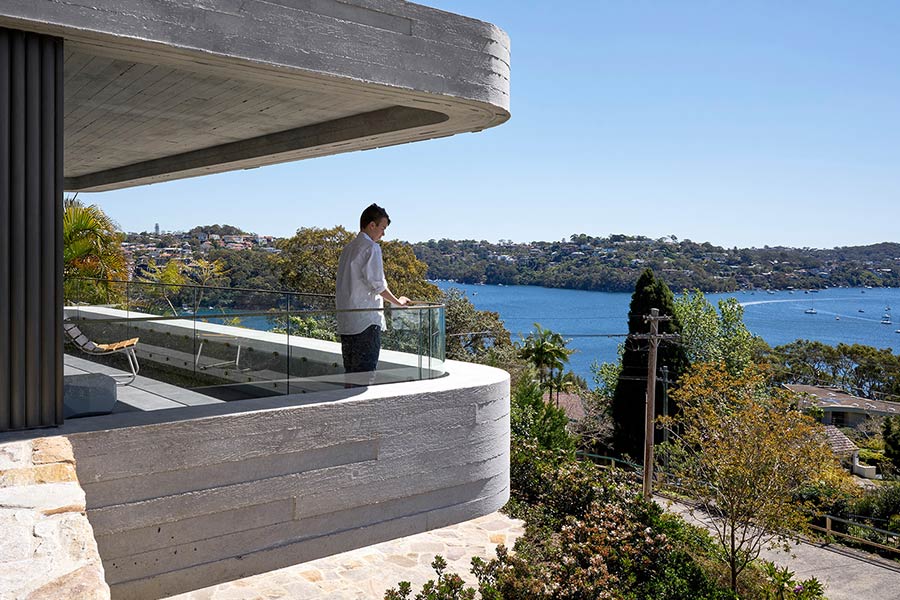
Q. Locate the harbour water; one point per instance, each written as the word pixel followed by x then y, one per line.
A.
pixel 848 315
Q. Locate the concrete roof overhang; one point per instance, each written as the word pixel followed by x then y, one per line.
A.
pixel 156 90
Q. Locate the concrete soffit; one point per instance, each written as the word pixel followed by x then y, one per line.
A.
pixel 166 89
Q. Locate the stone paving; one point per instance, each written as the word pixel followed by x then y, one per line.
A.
pixel 366 573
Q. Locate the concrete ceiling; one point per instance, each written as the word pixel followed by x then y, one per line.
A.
pixel 165 89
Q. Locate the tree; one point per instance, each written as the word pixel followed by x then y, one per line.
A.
pixel 743 451
pixel 164 283
pixel 475 335
pixel 627 406
pixel 406 273
pixel 708 335
pixel 856 368
pixel 205 273
pixel 308 264
pixel 890 432
pixel 547 351
pixel 92 249
pixel 308 261
pixel 563 381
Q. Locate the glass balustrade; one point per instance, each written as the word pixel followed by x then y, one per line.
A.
pixel 232 344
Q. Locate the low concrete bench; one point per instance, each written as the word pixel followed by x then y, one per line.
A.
pixel 88 394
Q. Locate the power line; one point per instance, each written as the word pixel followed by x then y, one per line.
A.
pixel 592 335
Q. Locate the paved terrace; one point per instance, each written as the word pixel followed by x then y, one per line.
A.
pixel 369 572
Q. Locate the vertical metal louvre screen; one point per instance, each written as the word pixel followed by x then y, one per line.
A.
pixel 31 188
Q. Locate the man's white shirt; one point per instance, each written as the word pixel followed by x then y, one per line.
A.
pixel 360 281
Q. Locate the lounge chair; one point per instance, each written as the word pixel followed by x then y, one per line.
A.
pixel 89 347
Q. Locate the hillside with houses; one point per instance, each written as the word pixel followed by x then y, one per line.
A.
pixel 614 263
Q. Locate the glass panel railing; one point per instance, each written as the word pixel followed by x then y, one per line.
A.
pixel 231 343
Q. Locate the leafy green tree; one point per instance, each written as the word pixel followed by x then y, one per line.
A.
pixel 744 452
pixel 563 381
pixel 881 506
pixel 890 432
pixel 316 327
pixel 476 335
pixel 856 368
pixel 308 261
pixel 627 406
pixel 308 264
pixel 708 335
pixel 164 284
pixel 92 248
pixel 218 230
pixel 205 273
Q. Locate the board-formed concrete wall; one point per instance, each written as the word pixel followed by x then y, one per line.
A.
pixel 389 42
pixel 222 495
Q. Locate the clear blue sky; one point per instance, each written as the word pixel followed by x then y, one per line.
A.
pixel 740 123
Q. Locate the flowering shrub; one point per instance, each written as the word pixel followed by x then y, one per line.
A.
pixel 784 587
pixel 590 535
pixel 445 587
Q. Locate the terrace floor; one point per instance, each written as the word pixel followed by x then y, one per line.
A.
pixel 143 393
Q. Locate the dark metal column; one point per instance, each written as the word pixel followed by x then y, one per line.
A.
pixel 31 136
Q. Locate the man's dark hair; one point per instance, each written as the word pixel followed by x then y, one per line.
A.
pixel 372 214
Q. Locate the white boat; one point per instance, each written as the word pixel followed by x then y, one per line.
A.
pixel 811 311
pixel 886 319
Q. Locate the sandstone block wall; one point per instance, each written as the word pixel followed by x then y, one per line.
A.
pixel 47 547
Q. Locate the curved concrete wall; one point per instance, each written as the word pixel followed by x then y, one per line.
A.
pixel 231 490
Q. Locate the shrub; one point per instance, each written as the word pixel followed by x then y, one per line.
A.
pixel 533 419
pixel 589 535
pixel 445 587
pixel 881 505
pixel 783 586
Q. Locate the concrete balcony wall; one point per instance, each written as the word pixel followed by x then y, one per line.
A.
pixel 186 498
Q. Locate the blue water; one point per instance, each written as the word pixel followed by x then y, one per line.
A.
pixel 778 318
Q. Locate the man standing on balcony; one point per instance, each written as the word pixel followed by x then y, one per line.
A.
pixel 361 291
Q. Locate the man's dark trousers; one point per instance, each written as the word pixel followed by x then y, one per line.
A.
pixel 360 351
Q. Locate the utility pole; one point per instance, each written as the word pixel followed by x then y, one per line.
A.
pixel 650 399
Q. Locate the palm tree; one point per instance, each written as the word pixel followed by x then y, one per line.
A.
pixel 92 249
pixel 547 351
pixel 563 382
